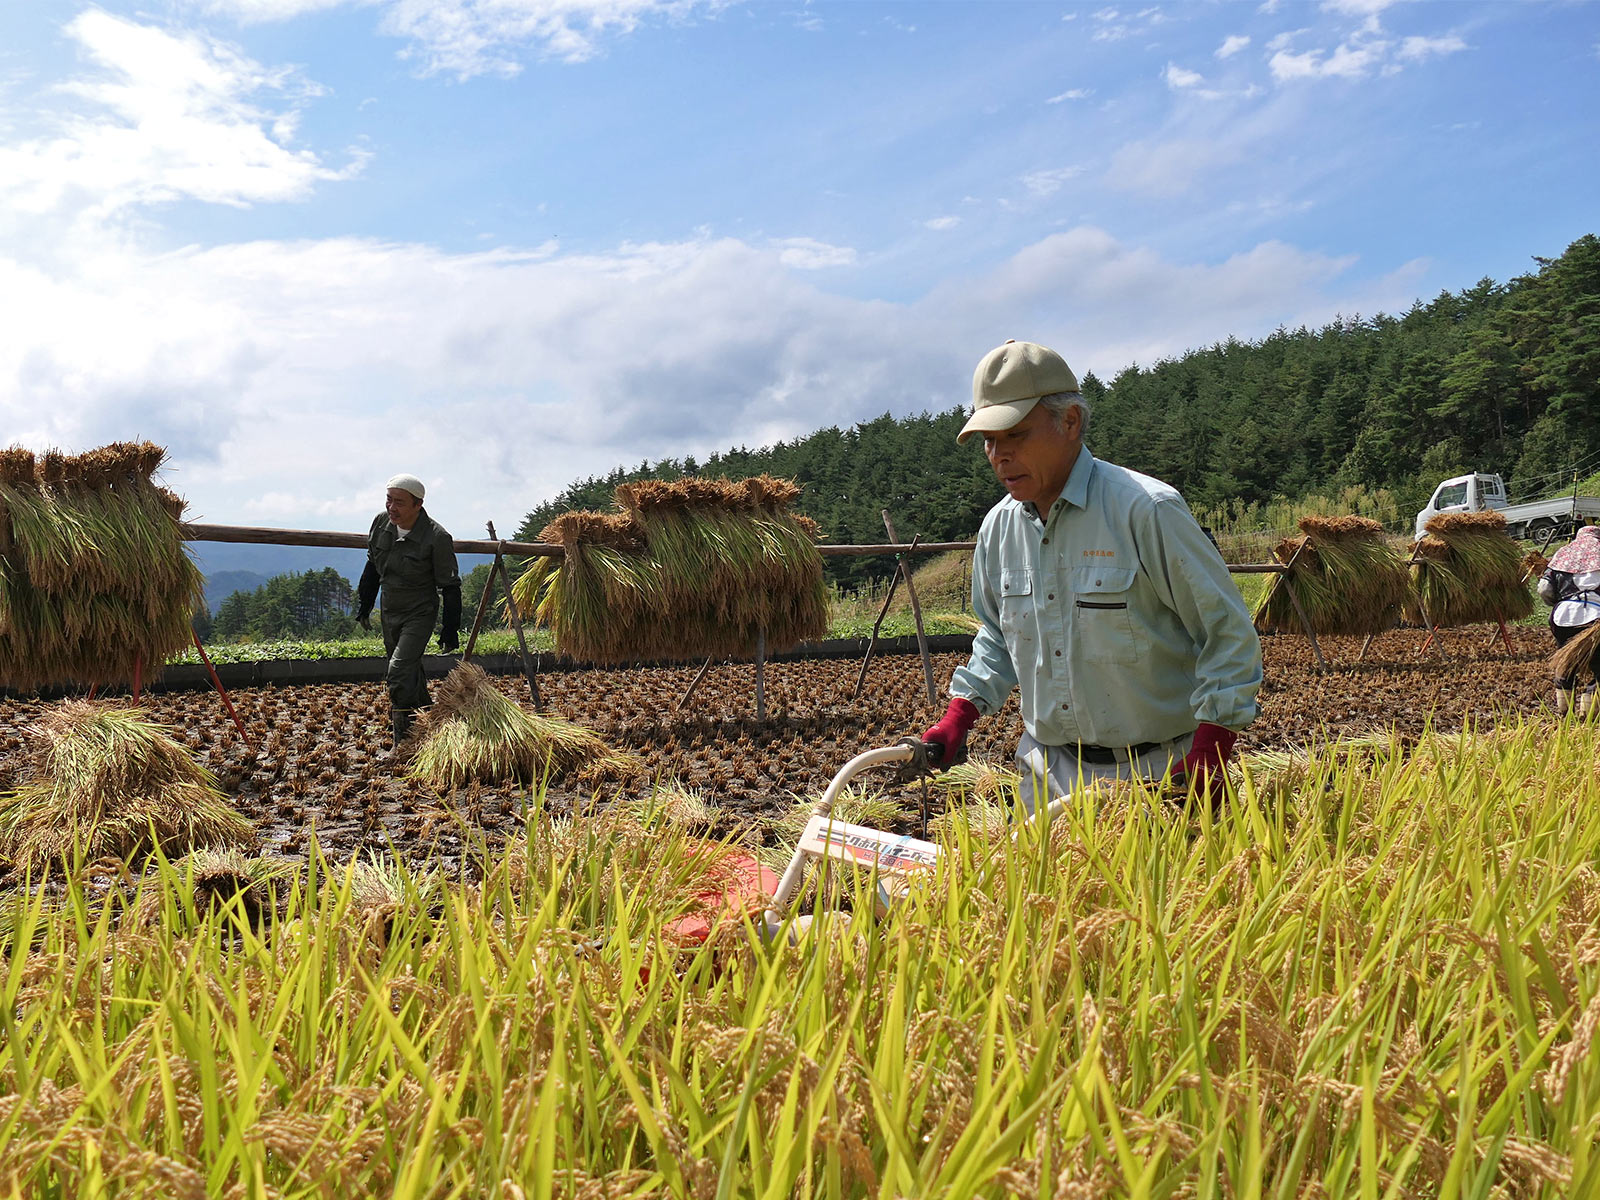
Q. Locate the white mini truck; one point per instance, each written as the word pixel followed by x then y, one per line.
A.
pixel 1539 519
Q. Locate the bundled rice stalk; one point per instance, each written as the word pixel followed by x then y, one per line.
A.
pixel 1467 571
pixel 474 731
pixel 687 569
pixel 1347 577
pixel 94 574
pixel 107 782
pixel 1573 658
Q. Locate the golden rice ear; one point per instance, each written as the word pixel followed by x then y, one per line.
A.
pixel 18 467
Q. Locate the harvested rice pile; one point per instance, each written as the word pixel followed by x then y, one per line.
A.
pixel 1345 574
pixel 1466 571
pixel 94 577
pixel 473 731
pixel 1573 658
pixel 687 569
pixel 100 782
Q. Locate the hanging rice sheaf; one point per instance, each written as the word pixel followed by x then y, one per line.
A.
pixel 101 781
pixel 687 569
pixel 473 731
pixel 1347 577
pixel 1467 570
pixel 94 577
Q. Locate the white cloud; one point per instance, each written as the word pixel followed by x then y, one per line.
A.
pixel 942 223
pixel 1283 40
pixel 1232 44
pixel 1177 77
pixel 1358 8
pixel 808 254
pixel 288 378
pixel 1349 60
pixel 163 116
pixel 1418 49
pixel 1113 25
pixel 272 10
pixel 1071 94
pixel 1169 168
pixel 1048 183
pixel 490 37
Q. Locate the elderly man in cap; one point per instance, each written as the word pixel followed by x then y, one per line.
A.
pixel 413 559
pixel 1100 595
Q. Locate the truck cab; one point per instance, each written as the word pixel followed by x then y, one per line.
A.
pixel 1464 493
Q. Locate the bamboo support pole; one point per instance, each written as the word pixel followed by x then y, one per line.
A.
pixel 477 619
pixel 872 642
pixel 916 614
pixel 693 684
pixel 259 536
pixel 761 675
pixel 221 691
pixel 528 666
pixel 1311 634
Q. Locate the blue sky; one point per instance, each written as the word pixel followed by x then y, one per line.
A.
pixel 507 243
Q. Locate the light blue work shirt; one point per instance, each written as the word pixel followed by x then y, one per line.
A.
pixel 1115 614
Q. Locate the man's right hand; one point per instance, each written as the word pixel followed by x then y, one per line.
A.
pixel 365 621
pixel 951 731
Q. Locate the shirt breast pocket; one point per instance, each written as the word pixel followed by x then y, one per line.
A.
pixel 1016 602
pixel 1102 618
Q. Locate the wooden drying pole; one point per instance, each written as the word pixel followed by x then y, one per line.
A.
pixel 327 539
pixel 498 572
pixel 916 612
pixel 872 642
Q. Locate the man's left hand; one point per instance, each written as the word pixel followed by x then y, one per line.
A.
pixel 449 640
pixel 1207 761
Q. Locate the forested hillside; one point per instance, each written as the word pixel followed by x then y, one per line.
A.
pixel 1498 377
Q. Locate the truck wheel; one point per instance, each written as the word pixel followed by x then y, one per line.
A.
pixel 1539 529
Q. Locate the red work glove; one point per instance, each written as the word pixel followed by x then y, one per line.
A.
pixel 1207 761
pixel 952 729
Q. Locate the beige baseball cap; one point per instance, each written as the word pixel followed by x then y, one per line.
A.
pixel 1009 382
pixel 407 483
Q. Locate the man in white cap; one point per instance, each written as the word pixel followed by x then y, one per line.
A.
pixel 413 559
pixel 1099 594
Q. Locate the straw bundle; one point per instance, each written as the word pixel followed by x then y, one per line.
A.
pixel 1347 577
pixel 1466 571
pixel 474 731
pixel 687 569
pixel 105 781
pixel 1575 656
pixel 94 577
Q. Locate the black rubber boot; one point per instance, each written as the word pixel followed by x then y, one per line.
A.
pixel 400 724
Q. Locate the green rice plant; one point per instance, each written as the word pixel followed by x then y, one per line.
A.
pixel 684 570
pixel 473 731
pixel 106 782
pixel 1381 981
pixel 1347 577
pixel 1466 571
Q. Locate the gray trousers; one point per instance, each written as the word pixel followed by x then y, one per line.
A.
pixel 405 639
pixel 1052 771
